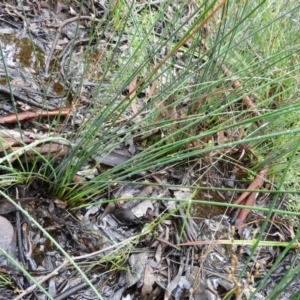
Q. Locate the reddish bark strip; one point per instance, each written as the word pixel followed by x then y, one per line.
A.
pixel 249 197
pixel 29 115
pixel 255 185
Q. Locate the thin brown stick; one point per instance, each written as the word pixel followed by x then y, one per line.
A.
pixel 246 99
pixel 29 115
pixel 166 242
pixel 59 29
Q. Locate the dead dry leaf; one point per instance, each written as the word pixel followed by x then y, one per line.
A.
pixel 137 263
pixel 149 280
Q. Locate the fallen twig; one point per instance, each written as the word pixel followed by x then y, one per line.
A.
pixel 59 30
pixel 246 99
pixel 28 115
pixel 66 294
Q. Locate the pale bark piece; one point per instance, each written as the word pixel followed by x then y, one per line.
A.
pixel 7 233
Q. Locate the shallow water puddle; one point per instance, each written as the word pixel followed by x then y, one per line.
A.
pixel 24 57
pixel 203 211
pixel 22 51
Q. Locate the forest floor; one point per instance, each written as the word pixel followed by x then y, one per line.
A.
pixel 130 249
